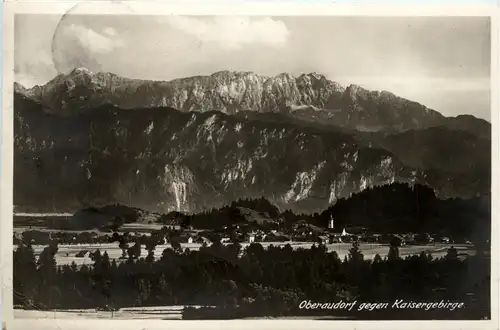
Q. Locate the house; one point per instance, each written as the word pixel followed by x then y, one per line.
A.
pixel 300 238
pixel 348 238
pixel 186 239
pixel 370 238
pixel 445 240
pixel 250 238
pixel 260 237
pixel 225 240
pixel 335 239
pixel 298 224
pixel 423 238
pixel 410 239
pixel 305 230
pixel 355 231
pixel 202 240
pixel 276 238
pixel 397 240
pixel 82 254
pixel 323 239
pixel 376 238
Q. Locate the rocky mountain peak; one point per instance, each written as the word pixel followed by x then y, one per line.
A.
pixel 354 90
pixel 231 92
pixel 19 88
pixel 81 70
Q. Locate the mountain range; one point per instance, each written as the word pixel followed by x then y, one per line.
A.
pixel 310 97
pixel 196 143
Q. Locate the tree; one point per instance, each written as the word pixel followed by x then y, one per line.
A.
pixel 176 245
pixel 393 253
pixel 97 259
pixel 47 274
pixel 134 252
pixel 124 247
pixel 105 263
pixel 355 254
pixel 24 281
pixel 47 261
pixel 144 292
pixel 452 254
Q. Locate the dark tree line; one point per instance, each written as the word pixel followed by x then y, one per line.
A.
pixel 230 214
pixel 253 282
pixel 400 207
pixel 394 208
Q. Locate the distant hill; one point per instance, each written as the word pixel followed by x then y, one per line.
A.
pixel 404 208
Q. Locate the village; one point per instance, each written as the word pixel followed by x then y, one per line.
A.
pixel 243 233
pixel 307 233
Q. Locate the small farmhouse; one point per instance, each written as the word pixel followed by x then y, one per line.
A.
pixel 397 240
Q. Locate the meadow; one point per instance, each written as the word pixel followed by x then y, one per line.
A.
pixel 66 254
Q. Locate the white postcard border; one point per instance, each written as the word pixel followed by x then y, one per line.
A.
pixel 229 8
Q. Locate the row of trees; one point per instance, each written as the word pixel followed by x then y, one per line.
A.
pixel 258 281
pixel 393 208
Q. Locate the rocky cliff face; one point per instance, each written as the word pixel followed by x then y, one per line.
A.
pixel 162 159
pixel 309 97
pixel 224 91
pixel 86 139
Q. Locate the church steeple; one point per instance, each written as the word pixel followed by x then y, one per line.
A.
pixel 331 223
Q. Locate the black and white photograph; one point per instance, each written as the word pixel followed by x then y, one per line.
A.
pixel 260 167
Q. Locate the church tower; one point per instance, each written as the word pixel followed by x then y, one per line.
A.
pixel 331 223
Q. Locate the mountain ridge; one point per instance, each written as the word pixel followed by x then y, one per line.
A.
pixel 311 97
pixel 162 159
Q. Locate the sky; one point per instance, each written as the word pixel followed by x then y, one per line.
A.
pixel 441 62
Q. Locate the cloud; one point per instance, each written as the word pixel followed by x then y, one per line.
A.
pixel 420 83
pixel 232 32
pixel 27 80
pixel 110 31
pixel 34 70
pixel 42 59
pixel 94 41
pixel 449 95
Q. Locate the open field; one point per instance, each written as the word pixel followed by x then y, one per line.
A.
pixel 67 253
pixel 139 313
pixel 133 313
pixel 128 227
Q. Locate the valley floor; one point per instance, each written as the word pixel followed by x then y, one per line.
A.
pixel 135 313
pixel 150 313
pixel 67 253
